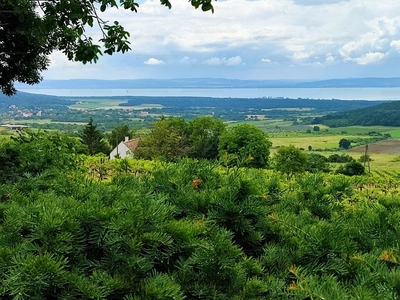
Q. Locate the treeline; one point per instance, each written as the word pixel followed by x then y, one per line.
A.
pixel 385 114
pixel 246 103
pixel 190 230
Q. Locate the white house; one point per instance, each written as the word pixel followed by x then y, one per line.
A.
pixel 124 149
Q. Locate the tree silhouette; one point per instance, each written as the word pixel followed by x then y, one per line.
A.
pixel 93 138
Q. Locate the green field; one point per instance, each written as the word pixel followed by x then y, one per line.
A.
pixel 362 129
pixel 82 104
pixel 316 142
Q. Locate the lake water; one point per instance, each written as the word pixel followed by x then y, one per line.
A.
pixel 294 93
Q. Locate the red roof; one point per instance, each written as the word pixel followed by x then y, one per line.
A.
pixel 132 144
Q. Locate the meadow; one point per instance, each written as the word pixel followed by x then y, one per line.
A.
pixel 94 103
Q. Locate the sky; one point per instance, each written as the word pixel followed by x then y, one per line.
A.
pixel 249 39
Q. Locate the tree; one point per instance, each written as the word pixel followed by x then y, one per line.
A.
pixel 167 140
pixel 290 160
pixel 118 134
pixel 31 153
pixel 317 163
pixel 245 145
pixel 203 133
pixel 351 168
pixel 344 143
pixel 316 128
pixel 28 37
pixel 93 138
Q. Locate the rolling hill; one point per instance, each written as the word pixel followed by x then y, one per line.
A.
pixel 386 114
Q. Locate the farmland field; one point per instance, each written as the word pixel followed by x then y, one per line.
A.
pixel 364 129
pixel 89 104
pixel 316 142
pixel 391 146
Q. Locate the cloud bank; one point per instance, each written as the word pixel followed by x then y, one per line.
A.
pixel 256 39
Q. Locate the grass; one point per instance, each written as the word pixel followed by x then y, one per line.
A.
pixel 316 141
pixel 90 104
pixel 363 129
pixel 395 133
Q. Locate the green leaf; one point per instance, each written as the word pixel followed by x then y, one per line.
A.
pixel 207 7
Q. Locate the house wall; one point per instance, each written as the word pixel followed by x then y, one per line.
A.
pixel 122 150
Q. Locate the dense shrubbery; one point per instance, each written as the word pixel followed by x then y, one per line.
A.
pixel 190 230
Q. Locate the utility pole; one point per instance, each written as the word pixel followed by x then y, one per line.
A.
pixel 366 158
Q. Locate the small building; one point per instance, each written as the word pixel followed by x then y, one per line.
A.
pixel 124 149
pixel 14 127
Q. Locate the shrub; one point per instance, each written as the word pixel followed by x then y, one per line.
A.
pixel 351 168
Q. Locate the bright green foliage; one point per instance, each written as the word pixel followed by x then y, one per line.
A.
pixel 167 140
pixel 195 230
pixel 244 145
pixel 93 138
pixel 290 160
pixel 365 158
pixel 28 36
pixel 118 135
pixel 32 153
pixel 204 135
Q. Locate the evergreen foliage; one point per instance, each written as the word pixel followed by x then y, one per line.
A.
pixel 191 230
pixel 93 138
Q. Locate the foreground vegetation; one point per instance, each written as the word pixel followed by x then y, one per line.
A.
pixel 193 229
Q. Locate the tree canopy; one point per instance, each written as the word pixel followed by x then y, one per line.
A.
pixel 93 138
pixel 31 30
pixel 290 160
pixel 245 145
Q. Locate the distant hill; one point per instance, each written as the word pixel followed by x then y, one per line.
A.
pixel 32 101
pixel 213 83
pixel 386 114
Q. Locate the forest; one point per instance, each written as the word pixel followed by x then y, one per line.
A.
pixel 385 114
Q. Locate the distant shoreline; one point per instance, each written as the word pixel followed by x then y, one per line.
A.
pixel 343 93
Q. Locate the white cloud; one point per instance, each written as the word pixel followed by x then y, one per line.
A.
pixel 233 61
pixel 153 61
pixel 369 58
pixel 215 61
pixel 298 32
pixel 230 62
pixel 330 58
pixel 395 45
pixel 187 61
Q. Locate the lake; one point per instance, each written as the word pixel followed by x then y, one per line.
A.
pixel 294 93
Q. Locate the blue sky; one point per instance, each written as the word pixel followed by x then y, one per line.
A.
pixel 243 39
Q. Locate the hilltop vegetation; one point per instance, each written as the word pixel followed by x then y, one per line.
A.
pixel 385 114
pixel 194 229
